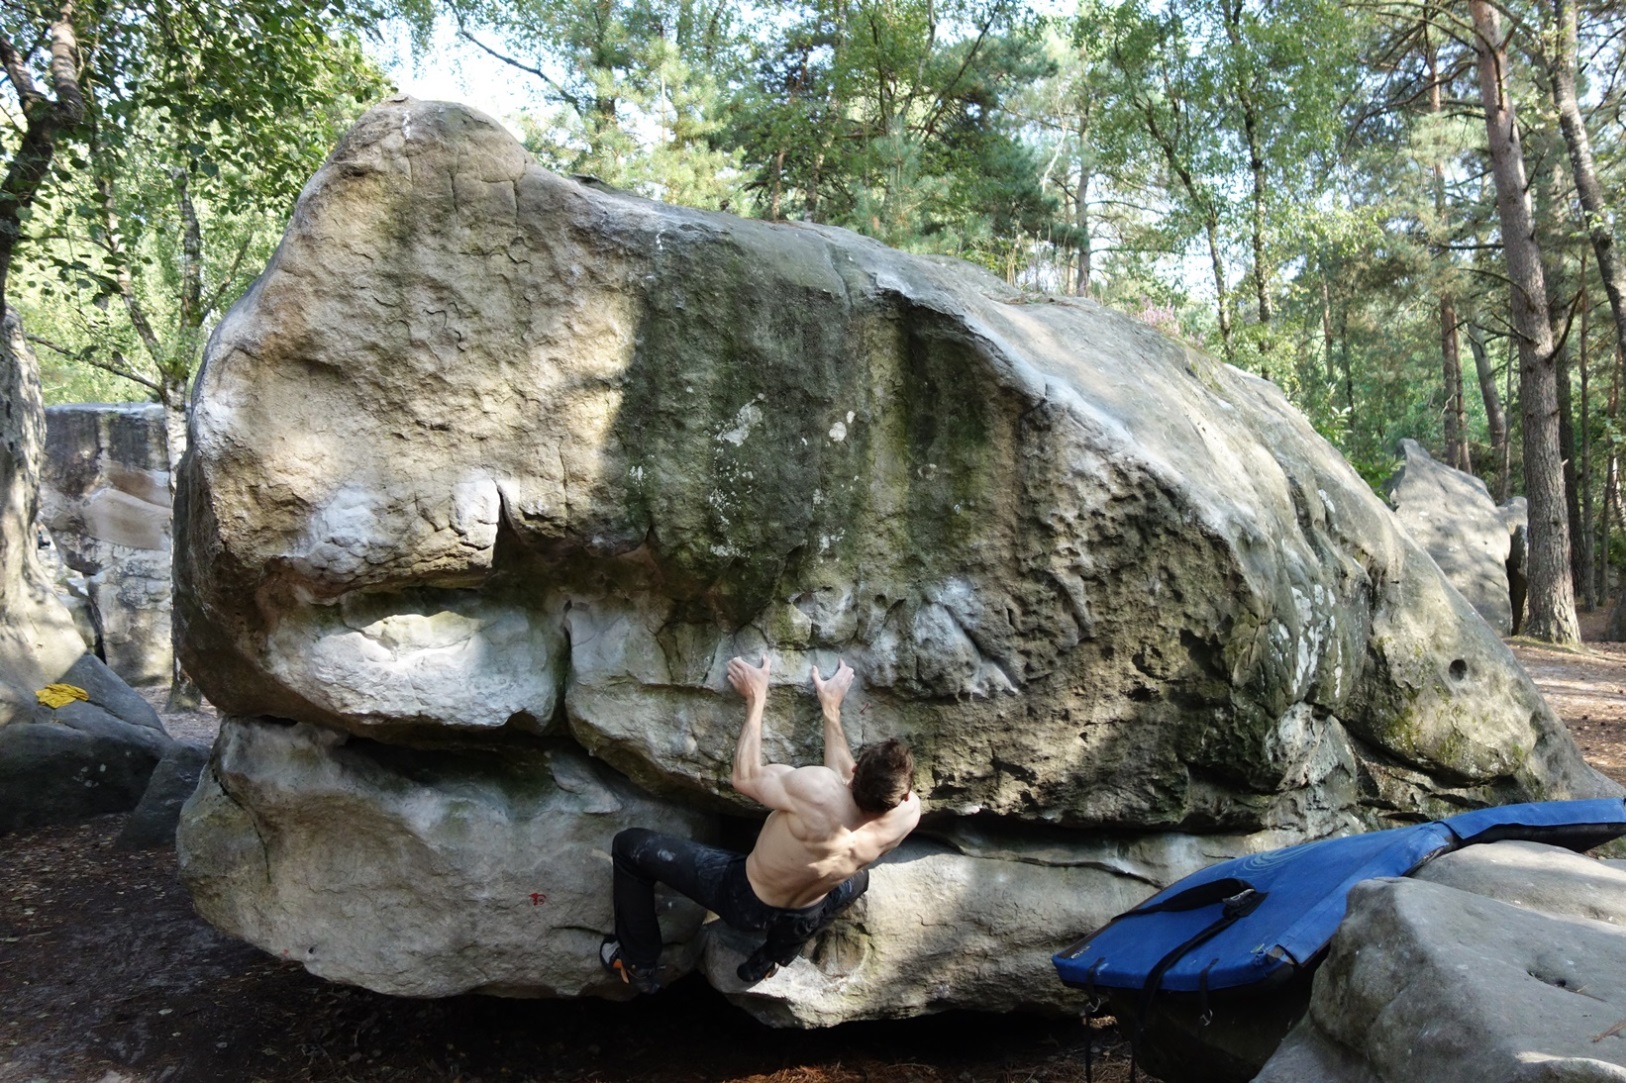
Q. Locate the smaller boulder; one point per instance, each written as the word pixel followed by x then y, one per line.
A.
pixel 1451 515
pixel 87 758
pixel 152 825
pixel 104 495
pixel 108 694
pixel 1504 961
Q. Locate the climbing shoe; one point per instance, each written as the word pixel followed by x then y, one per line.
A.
pixel 640 978
pixel 757 967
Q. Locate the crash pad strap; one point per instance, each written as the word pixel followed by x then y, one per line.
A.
pixel 1236 906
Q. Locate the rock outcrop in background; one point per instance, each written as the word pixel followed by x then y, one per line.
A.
pixel 1450 513
pixel 104 496
pixel 97 753
pixel 491 472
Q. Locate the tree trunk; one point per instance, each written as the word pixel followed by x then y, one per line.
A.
pixel 1223 294
pixel 1083 244
pixel 1567 452
pixel 1589 597
pixel 1456 417
pixel 1495 416
pixel 1511 368
pixel 1550 211
pixel 1344 365
pixel 1590 193
pixel 1611 511
pixel 1614 629
pixel 1210 214
pixel 1552 592
pixel 1611 476
pixel 1256 161
pixel 1327 341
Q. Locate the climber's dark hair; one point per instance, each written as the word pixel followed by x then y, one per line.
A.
pixel 883 776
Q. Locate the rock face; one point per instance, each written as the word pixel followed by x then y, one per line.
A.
pixel 38 640
pixel 104 495
pixel 1504 961
pixel 490 465
pixel 419 875
pixel 962 926
pixel 1451 514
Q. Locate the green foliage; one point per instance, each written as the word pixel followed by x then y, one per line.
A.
pixel 1295 186
pixel 636 91
pixel 204 120
pixel 889 118
pixel 657 139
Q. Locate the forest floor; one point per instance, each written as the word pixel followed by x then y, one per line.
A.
pixel 108 976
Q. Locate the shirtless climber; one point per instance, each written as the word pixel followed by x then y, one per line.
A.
pixel 809 864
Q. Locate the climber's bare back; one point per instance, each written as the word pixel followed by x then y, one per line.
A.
pixel 804 851
pixel 816 836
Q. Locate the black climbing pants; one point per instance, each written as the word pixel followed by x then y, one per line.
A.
pixel 715 879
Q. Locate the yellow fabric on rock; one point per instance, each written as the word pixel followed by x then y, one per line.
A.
pixel 60 695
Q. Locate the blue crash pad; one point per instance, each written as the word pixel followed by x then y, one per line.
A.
pixel 1299 897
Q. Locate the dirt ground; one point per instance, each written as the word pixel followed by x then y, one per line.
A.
pixel 1587 689
pixel 107 976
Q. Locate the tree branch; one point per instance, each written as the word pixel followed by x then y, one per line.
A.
pixel 971 53
pixel 226 280
pixel 17 72
pixel 121 368
pixel 70 100
pixel 31 161
pixel 41 340
pixel 191 315
pixel 564 95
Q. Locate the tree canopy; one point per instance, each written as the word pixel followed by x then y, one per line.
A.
pixel 200 122
pixel 1305 188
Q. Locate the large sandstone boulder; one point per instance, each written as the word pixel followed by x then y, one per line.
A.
pixel 104 496
pixel 38 640
pixel 490 464
pixel 1450 513
pixel 1499 962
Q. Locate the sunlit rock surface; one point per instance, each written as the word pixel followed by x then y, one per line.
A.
pixel 492 463
pixel 419 875
pixel 96 753
pixel 1452 516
